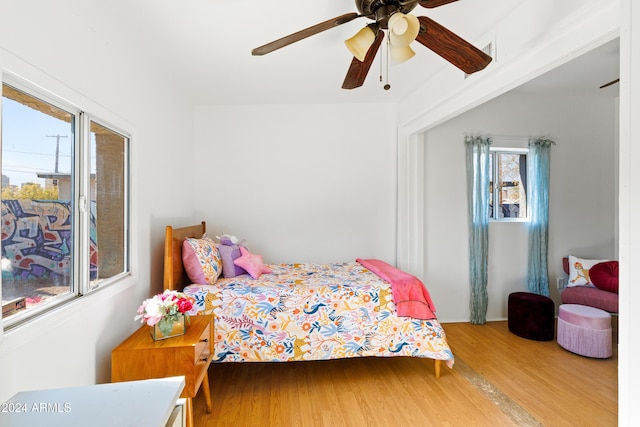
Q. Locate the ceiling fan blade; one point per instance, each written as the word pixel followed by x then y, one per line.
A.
pixel 451 47
pixel 303 34
pixel 612 82
pixel 430 4
pixel 358 70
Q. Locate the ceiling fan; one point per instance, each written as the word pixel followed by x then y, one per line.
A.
pixel 403 28
pixel 612 82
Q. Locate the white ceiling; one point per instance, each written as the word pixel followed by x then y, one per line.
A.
pixel 583 75
pixel 206 46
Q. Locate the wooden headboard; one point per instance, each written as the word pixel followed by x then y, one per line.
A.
pixel 175 278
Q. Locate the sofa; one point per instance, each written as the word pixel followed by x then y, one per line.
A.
pixel 593 283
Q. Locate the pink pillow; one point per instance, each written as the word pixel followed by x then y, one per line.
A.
pixel 201 260
pixel 252 263
pixel 604 276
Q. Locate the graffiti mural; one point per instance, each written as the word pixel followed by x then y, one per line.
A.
pixel 37 240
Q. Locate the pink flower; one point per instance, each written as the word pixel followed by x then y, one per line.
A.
pixel 184 305
pixel 153 320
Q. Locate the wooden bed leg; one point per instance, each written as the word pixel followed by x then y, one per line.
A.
pixel 437 365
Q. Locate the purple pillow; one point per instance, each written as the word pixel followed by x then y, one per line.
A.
pixel 604 276
pixel 230 253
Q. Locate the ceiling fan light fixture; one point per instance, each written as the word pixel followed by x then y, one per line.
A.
pixel 403 29
pixel 360 43
pixel 400 54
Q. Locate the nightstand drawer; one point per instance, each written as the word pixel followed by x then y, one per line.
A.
pixel 204 346
pixel 203 352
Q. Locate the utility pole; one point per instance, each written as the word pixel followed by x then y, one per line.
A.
pixel 57 137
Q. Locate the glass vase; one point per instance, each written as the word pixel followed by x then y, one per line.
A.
pixel 171 329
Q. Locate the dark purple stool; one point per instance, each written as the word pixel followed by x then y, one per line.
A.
pixel 531 316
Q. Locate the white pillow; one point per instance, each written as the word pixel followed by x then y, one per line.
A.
pixel 579 270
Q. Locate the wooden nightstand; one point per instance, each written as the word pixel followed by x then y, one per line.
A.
pixel 139 357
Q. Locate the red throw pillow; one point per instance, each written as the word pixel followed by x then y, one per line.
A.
pixel 604 276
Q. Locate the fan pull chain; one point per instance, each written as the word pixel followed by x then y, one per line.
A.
pixel 381 61
pixel 387 86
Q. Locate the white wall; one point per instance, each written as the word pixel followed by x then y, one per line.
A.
pixel 302 183
pixel 90 63
pixel 582 195
pixel 629 199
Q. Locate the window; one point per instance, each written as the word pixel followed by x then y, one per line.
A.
pixel 64 203
pixel 508 185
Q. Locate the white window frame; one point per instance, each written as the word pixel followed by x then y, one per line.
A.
pixel 495 189
pixel 80 285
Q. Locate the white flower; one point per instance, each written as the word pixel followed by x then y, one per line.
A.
pixel 154 308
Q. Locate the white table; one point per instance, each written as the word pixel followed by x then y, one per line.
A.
pixel 147 403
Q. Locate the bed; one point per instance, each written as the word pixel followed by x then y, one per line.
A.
pixel 305 311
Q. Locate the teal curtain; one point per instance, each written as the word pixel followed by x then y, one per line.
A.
pixel 537 268
pixel 478 155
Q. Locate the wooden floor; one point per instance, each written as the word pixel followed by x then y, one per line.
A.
pixel 499 379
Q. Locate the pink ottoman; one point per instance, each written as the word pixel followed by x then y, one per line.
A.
pixel 584 330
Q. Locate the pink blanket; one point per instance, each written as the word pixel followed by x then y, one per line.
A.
pixel 409 294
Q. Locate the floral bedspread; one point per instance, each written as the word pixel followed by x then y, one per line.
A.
pixel 313 312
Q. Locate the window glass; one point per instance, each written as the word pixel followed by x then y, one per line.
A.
pixel 64 203
pixel 108 203
pixel 37 202
pixel 508 192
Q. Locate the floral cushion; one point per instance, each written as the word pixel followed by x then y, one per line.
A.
pixel 201 260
